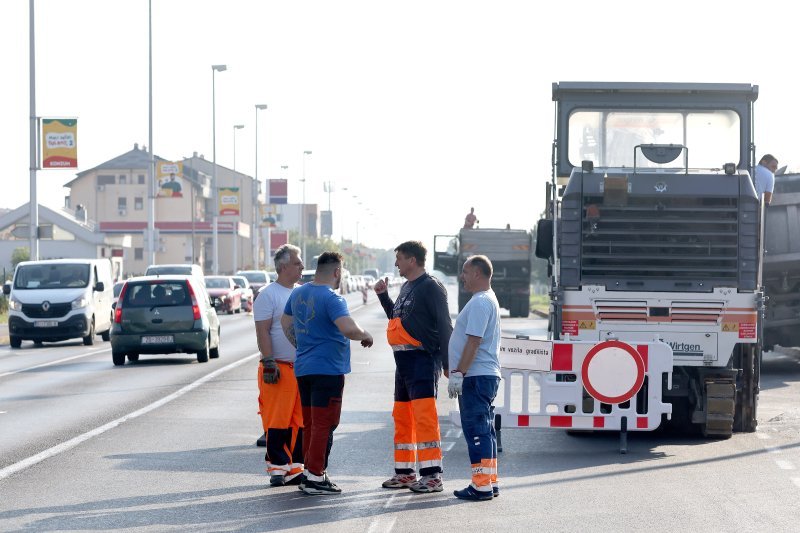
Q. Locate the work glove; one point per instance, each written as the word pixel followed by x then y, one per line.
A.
pixel 271 371
pixel 455 384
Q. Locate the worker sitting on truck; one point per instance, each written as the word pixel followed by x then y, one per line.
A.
pixel 765 177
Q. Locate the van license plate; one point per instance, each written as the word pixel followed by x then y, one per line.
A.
pixel 45 324
pixel 157 339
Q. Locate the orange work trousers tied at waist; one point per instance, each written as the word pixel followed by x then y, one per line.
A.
pixel 399 338
pixel 282 418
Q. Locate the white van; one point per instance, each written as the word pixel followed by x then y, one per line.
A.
pixel 60 299
pixel 180 269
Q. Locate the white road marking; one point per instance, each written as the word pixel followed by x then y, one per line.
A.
pixel 382 524
pixel 64 446
pixel 453 432
pixel 784 465
pixel 772 449
pixel 796 481
pixel 51 363
pixel 3 412
pixel 447 446
pixel 398 500
pixel 762 436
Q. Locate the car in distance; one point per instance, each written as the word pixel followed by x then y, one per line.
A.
pixel 161 315
pixel 225 297
pixel 307 276
pixel 258 279
pixel 248 296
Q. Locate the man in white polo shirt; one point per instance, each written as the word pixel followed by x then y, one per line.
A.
pixel 278 395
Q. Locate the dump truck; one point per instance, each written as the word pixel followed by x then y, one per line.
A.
pixel 653 238
pixel 510 252
pixel 782 264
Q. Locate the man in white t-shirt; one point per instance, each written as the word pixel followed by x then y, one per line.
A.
pixel 764 178
pixel 475 376
pixel 278 395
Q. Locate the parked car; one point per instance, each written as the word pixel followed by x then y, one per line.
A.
pixel 273 276
pixel 164 314
pixel 258 279
pixel 224 296
pixel 117 290
pixel 59 299
pixel 186 269
pixel 248 296
pixel 306 277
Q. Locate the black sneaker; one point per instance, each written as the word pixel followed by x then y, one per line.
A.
pixel 495 491
pixel 277 480
pixel 320 487
pixel 297 479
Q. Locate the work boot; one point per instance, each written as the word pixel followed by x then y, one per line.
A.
pixel 400 481
pixel 277 480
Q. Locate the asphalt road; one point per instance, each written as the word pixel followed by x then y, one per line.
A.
pixel 168 444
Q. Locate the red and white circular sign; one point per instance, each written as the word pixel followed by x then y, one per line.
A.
pixel 612 372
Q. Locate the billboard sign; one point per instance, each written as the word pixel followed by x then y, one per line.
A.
pixel 229 201
pixel 169 179
pixel 278 192
pixel 59 143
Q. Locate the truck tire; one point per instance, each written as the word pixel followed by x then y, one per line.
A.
pixel 14 341
pixel 749 361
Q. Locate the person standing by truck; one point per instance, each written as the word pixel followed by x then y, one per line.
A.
pixel 418 331
pixel 765 177
pixel 475 376
pixel 471 219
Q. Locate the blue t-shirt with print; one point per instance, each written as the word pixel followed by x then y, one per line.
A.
pixel 479 318
pixel 321 347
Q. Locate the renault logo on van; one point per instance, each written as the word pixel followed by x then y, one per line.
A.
pixel 661 187
pixel 45 306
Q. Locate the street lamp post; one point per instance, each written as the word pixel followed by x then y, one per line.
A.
pixel 303 207
pixel 256 213
pixel 236 220
pixel 215 193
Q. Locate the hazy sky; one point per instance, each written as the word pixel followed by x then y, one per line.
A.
pixel 420 108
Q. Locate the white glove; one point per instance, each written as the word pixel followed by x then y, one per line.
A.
pixel 455 383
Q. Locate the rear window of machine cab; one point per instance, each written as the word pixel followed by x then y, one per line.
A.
pixel 607 138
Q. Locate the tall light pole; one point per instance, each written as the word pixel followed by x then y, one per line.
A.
pixel 236 221
pixel 33 226
pixel 303 207
pixel 256 214
pixel 151 166
pixel 215 212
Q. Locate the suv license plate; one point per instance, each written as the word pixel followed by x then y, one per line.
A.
pixel 157 339
pixel 45 324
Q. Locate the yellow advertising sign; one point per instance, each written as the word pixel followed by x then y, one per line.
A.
pixel 170 177
pixel 59 143
pixel 229 201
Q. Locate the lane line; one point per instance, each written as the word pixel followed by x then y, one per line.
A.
pixel 772 449
pixel 762 436
pixel 796 481
pixel 784 465
pixel 64 446
pixel 447 445
pixel 4 374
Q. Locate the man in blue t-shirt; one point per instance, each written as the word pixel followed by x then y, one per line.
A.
pixel 764 179
pixel 317 322
pixel 475 375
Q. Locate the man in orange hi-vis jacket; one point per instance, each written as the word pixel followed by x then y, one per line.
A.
pixel 419 332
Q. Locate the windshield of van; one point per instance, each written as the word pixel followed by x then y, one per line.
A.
pixel 255 277
pixel 52 276
pixel 167 270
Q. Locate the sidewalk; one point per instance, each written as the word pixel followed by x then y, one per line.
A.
pixel 3 334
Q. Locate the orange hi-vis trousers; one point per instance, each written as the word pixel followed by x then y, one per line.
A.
pixel 416 423
pixel 282 418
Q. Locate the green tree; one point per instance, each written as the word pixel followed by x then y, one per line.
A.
pixel 19 255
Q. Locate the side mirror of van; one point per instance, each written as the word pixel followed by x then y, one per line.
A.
pixel 99 286
pixel 7 288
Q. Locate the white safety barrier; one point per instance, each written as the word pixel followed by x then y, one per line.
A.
pixel 584 385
